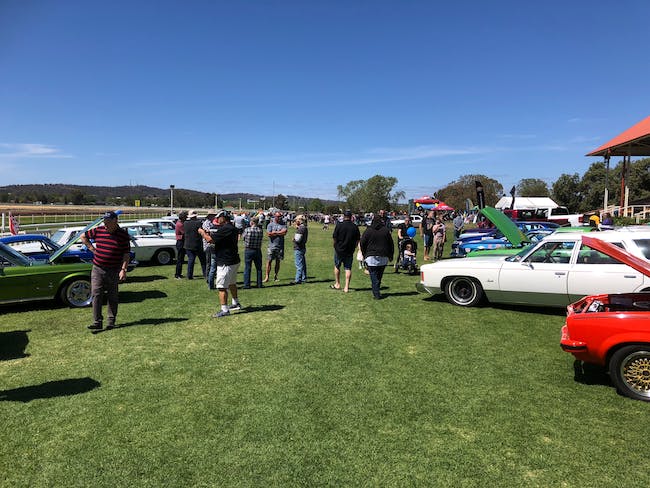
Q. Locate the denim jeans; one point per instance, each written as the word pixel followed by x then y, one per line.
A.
pixel 376 274
pixel 192 254
pixel 252 256
pixel 211 260
pixel 301 265
pixel 180 257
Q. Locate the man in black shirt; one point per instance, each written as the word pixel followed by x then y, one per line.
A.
pixel 345 239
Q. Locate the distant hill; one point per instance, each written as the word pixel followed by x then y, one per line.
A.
pixel 147 195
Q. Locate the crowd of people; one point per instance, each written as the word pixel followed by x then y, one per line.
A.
pixel 213 241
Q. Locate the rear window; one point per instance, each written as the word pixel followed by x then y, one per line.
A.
pixel 644 246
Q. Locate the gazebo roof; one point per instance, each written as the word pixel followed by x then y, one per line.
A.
pixel 635 141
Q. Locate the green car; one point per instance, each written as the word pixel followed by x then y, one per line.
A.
pixel 23 279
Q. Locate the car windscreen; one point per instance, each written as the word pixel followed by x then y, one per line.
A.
pixel 644 246
pixel 13 257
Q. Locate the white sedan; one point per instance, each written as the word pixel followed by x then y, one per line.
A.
pixel 559 270
pixel 146 242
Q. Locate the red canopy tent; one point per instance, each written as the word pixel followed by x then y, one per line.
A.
pixel 635 141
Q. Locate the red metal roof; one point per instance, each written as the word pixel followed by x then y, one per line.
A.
pixel 635 141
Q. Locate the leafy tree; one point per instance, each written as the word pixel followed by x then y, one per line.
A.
pixel 566 191
pixel 592 187
pixel 532 187
pixel 458 191
pixel 371 195
pixel 315 205
pixel 281 202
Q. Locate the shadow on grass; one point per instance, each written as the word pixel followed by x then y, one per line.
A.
pixel 590 374
pixel 51 389
pixel 271 283
pixel 13 344
pixel 145 279
pixel 140 296
pixel 144 322
pixel 401 294
pixel 556 311
pixel 261 308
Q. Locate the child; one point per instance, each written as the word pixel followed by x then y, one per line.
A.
pixel 409 256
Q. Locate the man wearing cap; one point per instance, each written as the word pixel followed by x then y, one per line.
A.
pixel 208 249
pixel 193 244
pixel 276 231
pixel 224 237
pixel 300 249
pixel 252 237
pixel 111 256
pixel 345 239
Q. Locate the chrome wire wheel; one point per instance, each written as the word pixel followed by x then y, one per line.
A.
pixel 630 371
pixel 635 371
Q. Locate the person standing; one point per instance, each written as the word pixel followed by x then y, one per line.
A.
pixel 300 249
pixel 111 256
pixel 378 249
pixel 252 237
pixel 439 239
pixel 180 244
pixel 345 239
pixel 426 231
pixel 275 231
pixel 193 244
pixel 459 223
pixel 224 237
pixel 208 249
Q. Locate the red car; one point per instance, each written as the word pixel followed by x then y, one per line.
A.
pixel 613 330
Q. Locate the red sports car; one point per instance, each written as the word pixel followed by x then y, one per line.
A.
pixel 613 330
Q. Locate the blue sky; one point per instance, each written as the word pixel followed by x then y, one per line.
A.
pixel 302 96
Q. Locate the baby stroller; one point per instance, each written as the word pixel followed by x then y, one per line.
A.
pixel 407 250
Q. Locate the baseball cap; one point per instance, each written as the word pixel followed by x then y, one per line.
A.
pixel 221 213
pixel 347 213
pixel 193 213
pixel 109 216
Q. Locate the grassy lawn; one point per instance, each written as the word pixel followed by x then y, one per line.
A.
pixel 306 387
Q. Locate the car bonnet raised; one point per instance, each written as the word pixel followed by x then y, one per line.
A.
pixel 507 227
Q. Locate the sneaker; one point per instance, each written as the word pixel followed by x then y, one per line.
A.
pixel 95 327
pixel 236 306
pixel 220 314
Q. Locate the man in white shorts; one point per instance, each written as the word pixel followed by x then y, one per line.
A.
pixel 224 236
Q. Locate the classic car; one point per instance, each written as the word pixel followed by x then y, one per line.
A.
pixel 23 279
pixel 558 270
pixel 38 246
pixel 165 227
pixel 146 243
pixel 613 330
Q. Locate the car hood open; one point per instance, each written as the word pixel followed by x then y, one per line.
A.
pixel 507 227
pixel 612 250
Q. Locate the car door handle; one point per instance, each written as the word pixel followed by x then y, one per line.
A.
pixel 630 276
pixel 560 273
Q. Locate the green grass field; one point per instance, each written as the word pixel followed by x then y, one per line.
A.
pixel 306 387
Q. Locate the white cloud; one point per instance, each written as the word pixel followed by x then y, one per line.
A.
pixel 15 151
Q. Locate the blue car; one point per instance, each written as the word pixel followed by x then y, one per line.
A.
pixel 40 247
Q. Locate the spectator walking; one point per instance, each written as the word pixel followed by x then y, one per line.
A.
pixel 252 238
pixel 345 239
pixel 224 237
pixel 193 244
pixel 275 231
pixel 180 244
pixel 300 249
pixel 378 249
pixel 111 256
pixel 208 249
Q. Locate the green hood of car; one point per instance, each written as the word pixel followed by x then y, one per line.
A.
pixel 507 227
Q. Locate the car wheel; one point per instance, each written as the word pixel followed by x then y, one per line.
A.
pixel 463 291
pixel 629 370
pixel 76 293
pixel 163 256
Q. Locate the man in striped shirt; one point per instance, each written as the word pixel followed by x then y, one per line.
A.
pixel 111 255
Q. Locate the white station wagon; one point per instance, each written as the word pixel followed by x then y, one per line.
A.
pixel 560 269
